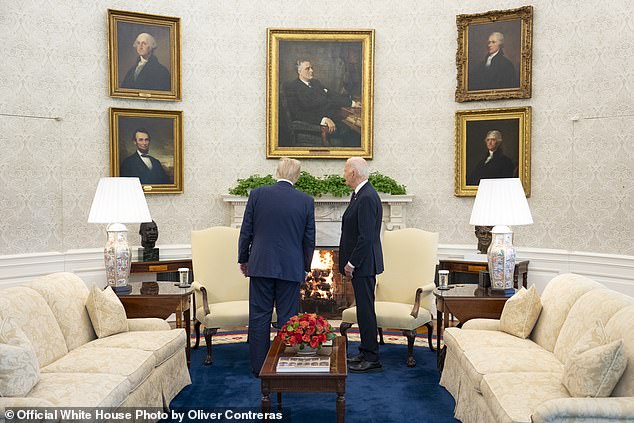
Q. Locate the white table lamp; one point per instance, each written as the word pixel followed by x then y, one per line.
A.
pixel 118 201
pixel 501 203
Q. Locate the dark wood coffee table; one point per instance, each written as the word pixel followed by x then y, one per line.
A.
pixel 333 381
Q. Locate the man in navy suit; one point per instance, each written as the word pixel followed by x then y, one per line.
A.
pixel 140 164
pixel 361 258
pixel 275 250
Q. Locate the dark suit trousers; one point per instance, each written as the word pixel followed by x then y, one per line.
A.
pixel 366 316
pixel 263 294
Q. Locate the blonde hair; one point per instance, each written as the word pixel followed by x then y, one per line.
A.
pixel 288 169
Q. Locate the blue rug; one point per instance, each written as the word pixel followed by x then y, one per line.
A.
pixel 397 394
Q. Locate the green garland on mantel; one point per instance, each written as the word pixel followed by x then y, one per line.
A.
pixel 334 185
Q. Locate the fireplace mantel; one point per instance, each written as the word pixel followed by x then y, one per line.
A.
pixel 328 212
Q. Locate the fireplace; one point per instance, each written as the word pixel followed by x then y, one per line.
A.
pixel 326 291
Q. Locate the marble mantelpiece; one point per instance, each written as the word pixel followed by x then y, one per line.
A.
pixel 328 212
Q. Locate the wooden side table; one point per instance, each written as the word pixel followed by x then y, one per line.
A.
pixel 465 266
pixel 161 266
pixel 466 302
pixel 145 301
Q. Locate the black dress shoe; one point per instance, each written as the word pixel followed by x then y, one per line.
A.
pixel 355 358
pixel 365 366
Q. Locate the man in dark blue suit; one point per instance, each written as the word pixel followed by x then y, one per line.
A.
pixel 275 250
pixel 361 258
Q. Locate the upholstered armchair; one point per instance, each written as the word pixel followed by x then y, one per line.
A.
pixel 221 292
pixel 404 290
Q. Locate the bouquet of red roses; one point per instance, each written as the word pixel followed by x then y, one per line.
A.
pixel 306 330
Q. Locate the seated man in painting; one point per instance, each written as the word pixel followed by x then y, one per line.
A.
pixel 308 100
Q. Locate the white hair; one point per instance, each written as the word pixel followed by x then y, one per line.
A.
pixel 497 134
pixel 150 40
pixel 360 166
pixel 499 36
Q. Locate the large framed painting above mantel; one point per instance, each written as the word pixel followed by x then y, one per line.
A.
pixel 319 88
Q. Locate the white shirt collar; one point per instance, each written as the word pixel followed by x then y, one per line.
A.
pixel 285 180
pixel 356 190
pixel 142 61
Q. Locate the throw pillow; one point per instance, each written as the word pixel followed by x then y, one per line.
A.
pixel 520 312
pixel 19 367
pixel 106 312
pixel 595 364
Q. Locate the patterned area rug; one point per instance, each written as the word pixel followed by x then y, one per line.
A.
pixel 390 337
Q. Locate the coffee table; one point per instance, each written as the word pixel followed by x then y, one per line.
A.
pixel 333 381
pixel 466 302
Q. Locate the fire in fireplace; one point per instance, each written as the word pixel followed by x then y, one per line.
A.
pixel 324 291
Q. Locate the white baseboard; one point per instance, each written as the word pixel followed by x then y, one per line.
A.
pixel 614 271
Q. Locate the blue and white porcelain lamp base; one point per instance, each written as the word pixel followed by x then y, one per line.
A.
pixel 501 257
pixel 116 255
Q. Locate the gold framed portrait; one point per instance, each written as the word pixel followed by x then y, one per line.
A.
pixel 320 93
pixel 148 144
pixel 492 143
pixel 495 54
pixel 144 55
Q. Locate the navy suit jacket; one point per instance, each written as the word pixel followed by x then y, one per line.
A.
pixel 360 242
pixel 277 237
pixel 134 166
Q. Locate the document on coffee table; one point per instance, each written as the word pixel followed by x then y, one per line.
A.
pixel 303 364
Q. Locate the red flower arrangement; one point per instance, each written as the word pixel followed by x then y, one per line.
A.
pixel 306 330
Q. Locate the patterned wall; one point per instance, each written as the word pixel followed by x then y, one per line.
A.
pixel 54 64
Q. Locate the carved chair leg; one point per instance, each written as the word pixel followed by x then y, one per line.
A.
pixel 381 341
pixel 430 330
pixel 208 334
pixel 343 329
pixel 197 329
pixel 411 337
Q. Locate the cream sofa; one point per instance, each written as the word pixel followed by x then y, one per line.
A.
pixel 144 367
pixel 497 377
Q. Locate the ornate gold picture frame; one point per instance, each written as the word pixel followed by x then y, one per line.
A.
pixel 144 54
pixel 148 144
pixel 492 143
pixel 320 93
pixel 495 53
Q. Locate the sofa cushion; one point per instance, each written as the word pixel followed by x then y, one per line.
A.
pixel 598 304
pixel 595 364
pixel 520 312
pixel 477 362
pixel 620 327
pixel 32 314
pixel 465 340
pixel 135 365
pixel 82 389
pixel 19 368
pixel 392 315
pixel 512 397
pixel 557 300
pixel 66 294
pixel 163 344
pixel 106 312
